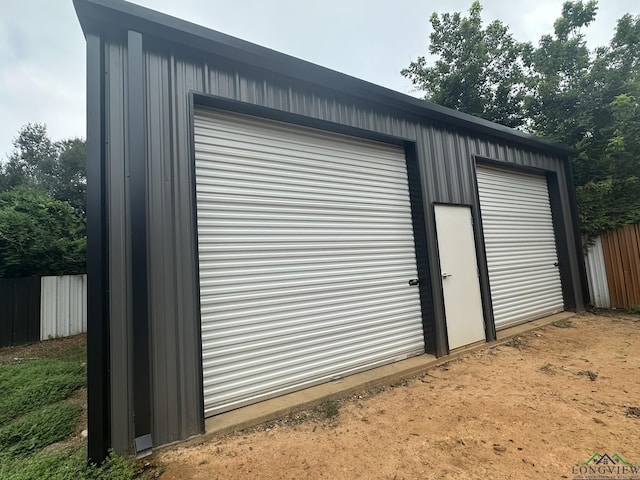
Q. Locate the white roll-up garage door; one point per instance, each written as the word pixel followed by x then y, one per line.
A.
pixel 520 244
pixel 306 249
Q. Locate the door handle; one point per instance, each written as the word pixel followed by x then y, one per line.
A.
pixel 414 281
pixel 445 275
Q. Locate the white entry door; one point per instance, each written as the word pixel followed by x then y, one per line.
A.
pixel 459 272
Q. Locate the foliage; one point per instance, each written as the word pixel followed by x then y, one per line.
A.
pixel 37 429
pixel 39 235
pixel 66 465
pixel 478 71
pixel 34 414
pixel 36 383
pixel 59 168
pixel 589 99
pixel 608 205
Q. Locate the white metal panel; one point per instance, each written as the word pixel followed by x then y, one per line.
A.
pixel 459 273
pixel 597 275
pixel 63 306
pixel 305 249
pixel 520 245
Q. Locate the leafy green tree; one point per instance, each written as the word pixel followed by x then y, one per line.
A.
pixel 478 71
pixel 561 65
pixel 59 168
pixel 39 235
pixel 559 89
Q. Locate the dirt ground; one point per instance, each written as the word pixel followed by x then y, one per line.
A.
pixel 531 408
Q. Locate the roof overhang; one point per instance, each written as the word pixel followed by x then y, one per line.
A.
pixel 97 15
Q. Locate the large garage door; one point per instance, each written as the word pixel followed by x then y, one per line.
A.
pixel 520 244
pixel 306 250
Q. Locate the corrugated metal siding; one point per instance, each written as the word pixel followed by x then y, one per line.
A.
pixel 20 314
pixel 306 249
pixel 63 306
pixel 597 275
pixel 119 243
pixel 520 245
pixel 444 157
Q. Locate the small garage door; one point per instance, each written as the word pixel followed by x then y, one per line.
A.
pixel 520 244
pixel 306 249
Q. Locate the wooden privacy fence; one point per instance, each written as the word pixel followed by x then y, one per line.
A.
pixel 613 268
pixel 38 308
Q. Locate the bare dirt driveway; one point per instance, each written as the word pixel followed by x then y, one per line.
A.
pixel 532 408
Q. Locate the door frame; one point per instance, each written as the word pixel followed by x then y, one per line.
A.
pixel 557 217
pixel 197 99
pixel 485 293
pixel 486 325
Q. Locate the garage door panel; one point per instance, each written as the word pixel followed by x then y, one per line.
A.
pixel 520 246
pixel 306 248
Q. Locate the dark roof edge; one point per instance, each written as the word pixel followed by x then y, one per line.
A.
pixel 95 14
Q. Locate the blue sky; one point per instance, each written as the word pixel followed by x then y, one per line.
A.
pixel 42 57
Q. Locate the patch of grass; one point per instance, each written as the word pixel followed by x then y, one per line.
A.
pixel 37 429
pixel 330 409
pixel 63 465
pixel 634 309
pixel 566 323
pixel 36 383
pixel 67 465
pixel 588 373
pixel 35 413
pixel 76 352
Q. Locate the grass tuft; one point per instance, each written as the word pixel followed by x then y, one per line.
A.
pixel 35 383
pixel 35 430
pixel 330 409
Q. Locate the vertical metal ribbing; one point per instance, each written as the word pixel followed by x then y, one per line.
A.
pixel 98 387
pixel 138 204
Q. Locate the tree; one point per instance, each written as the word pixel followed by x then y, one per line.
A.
pixel 59 168
pixel 565 92
pixel 39 235
pixel 478 71
pixel 560 75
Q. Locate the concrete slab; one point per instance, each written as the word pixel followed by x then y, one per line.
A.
pixel 275 408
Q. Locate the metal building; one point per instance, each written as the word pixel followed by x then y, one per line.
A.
pixel 258 224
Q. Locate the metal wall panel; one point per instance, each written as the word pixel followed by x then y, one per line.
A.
pixel 63 306
pixel 19 311
pixel 597 275
pixel 119 243
pixel 306 250
pixel 445 156
pixel 520 246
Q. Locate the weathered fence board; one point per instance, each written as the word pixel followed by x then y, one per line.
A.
pixel 621 249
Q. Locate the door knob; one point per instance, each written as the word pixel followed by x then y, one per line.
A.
pixel 414 281
pixel 445 275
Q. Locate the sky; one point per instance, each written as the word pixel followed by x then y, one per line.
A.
pixel 42 48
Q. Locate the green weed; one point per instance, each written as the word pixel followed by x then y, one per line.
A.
pixel 36 383
pixel 634 309
pixel 330 409
pixel 68 465
pixel 35 430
